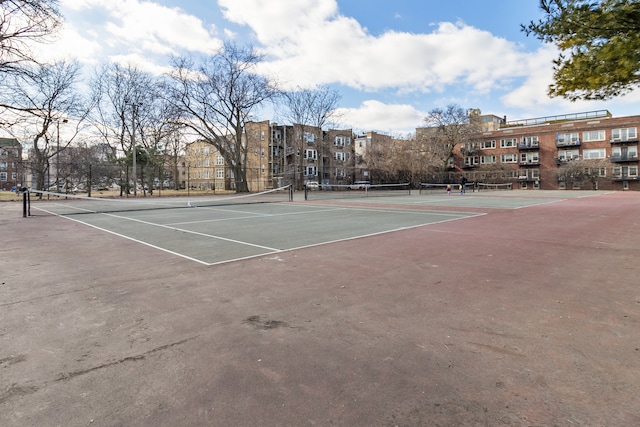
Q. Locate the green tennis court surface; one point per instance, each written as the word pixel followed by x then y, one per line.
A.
pixel 228 232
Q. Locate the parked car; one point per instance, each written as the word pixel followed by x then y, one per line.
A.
pixel 312 185
pixel 360 185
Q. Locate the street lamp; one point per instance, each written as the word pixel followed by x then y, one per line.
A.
pixel 58 153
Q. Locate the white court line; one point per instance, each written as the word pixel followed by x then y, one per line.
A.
pixel 271 250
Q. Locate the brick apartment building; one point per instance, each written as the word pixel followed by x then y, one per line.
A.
pixel 577 151
pixel 10 164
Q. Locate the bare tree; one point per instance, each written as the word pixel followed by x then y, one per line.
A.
pixel 45 98
pixel 23 22
pixel 130 113
pixel 446 129
pixel 217 97
pixel 310 110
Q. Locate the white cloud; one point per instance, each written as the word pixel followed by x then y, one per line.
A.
pixel 141 28
pixel 395 119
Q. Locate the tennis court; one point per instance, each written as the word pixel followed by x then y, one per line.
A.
pixel 232 228
pixel 496 308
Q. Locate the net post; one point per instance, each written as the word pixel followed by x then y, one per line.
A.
pixel 24 203
pixel 306 194
pixel 290 193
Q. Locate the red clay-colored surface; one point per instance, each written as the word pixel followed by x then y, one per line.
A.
pixel 519 317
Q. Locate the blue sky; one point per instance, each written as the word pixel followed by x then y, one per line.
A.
pixel 391 60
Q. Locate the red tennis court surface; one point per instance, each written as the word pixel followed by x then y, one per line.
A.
pixel 518 317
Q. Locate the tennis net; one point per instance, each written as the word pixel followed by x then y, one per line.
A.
pixel 339 191
pixel 68 204
pixel 482 186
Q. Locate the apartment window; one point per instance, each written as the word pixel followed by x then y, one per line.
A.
pixel 568 138
pixel 594 153
pixel 3 176
pixel 339 156
pixel 529 158
pixel 509 142
pixel 14 176
pixel 530 141
pixel 262 169
pixel 625 152
pixel 487 160
pixel 206 174
pixel 3 165
pixel 207 163
pixel 486 145
pixel 566 155
pixel 624 134
pixel 509 158
pixel 262 135
pixel 219 161
pixel 206 150
pixel 596 171
pixel 309 137
pixel 339 141
pixel 471 146
pixel 310 154
pixel 625 171
pixel 593 135
pixel 471 160
pixel 262 151
pixel 219 173
pixel 310 171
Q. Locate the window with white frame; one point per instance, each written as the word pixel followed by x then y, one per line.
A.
pixel 508 142
pixel 3 176
pixel 219 173
pixel 14 176
pixel 566 155
pixel 594 153
pixel 509 158
pixel 206 174
pixel 530 141
pixel 529 157
pixel 340 141
pixel 339 156
pixel 262 169
pixel 593 135
pixel 310 171
pixel 219 161
pixel 625 153
pixel 471 160
pixel 625 171
pixel 206 150
pixel 624 134
pixel 207 163
pixel 596 171
pixel 3 165
pixel 568 138
pixel 486 145
pixel 310 154
pixel 487 160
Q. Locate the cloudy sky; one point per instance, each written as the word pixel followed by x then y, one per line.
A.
pixel 391 60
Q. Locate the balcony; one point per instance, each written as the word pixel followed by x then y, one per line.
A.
pixel 624 177
pixel 534 145
pixel 470 166
pixel 624 140
pixel 565 160
pixel 621 158
pixel 567 143
pixel 530 162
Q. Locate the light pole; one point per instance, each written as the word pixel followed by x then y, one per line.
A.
pixel 58 153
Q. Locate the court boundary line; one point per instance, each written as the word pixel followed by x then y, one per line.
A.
pixel 271 251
